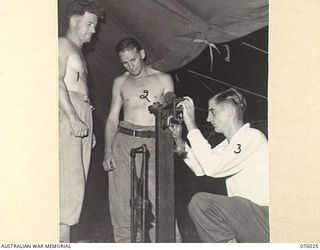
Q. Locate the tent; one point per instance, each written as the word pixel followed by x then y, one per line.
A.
pixel 173 32
pixel 206 45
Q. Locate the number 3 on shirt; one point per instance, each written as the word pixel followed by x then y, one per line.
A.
pixel 238 150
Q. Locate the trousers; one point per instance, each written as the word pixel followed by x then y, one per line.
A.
pixel 220 219
pixel 74 160
pixel 120 177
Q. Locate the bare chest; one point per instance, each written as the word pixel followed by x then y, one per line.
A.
pixel 77 64
pixel 76 73
pixel 142 93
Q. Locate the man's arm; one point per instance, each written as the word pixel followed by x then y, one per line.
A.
pixel 112 124
pixel 192 162
pixel 167 82
pixel 220 161
pixel 224 161
pixel 184 150
pixel 78 127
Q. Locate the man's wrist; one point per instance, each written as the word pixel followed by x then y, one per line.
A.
pixel 107 151
pixel 180 141
pixel 180 149
pixel 191 126
pixel 73 117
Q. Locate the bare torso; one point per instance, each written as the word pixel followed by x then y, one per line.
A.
pixel 76 70
pixel 139 93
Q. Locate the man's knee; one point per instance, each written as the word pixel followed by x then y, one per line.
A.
pixel 197 204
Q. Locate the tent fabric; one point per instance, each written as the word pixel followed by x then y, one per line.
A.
pixel 167 28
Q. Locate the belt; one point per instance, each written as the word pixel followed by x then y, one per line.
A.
pixel 87 100
pixel 137 133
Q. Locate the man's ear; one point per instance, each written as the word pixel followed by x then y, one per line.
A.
pixel 73 21
pixel 143 54
pixel 231 110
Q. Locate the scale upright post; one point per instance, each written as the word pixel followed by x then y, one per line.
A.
pixel 165 219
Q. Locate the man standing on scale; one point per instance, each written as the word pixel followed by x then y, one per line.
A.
pixel 135 91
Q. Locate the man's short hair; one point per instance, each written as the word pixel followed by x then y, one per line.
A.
pixel 128 43
pixel 79 7
pixel 233 97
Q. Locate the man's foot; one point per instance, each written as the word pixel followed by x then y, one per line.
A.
pixel 64 233
pixel 232 241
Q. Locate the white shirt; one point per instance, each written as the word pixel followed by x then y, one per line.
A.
pixel 244 161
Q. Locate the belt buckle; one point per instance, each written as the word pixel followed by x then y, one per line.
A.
pixel 86 98
pixel 134 133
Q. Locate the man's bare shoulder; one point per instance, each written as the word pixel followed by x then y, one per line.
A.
pixel 160 75
pixel 64 43
pixel 62 40
pixel 118 81
pixel 122 77
pixel 65 46
pixel 163 79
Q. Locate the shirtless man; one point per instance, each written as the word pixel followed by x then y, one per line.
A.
pixel 135 91
pixel 75 118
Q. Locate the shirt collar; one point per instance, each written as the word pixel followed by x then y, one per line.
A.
pixel 244 127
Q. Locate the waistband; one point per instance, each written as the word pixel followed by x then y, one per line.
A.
pixel 137 131
pixel 83 97
pixel 130 125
